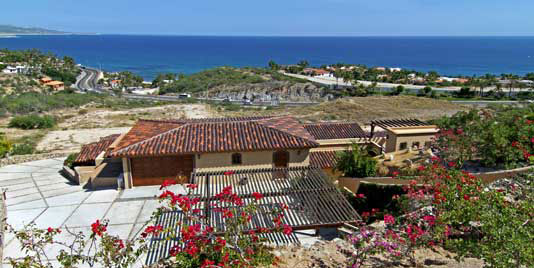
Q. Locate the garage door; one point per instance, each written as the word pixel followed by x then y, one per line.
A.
pixel 154 170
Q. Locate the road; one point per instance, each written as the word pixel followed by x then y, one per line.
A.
pixel 330 81
pixel 88 80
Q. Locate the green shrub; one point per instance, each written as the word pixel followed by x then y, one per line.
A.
pixel 23 148
pixel 32 122
pixel 356 163
pixel 69 162
pixel 5 145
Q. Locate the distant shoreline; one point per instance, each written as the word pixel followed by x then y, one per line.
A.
pixel 35 34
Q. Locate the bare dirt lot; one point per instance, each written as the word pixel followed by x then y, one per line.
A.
pixel 365 109
pixel 88 124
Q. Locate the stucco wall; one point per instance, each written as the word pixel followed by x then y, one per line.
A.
pixel 394 141
pixel 258 159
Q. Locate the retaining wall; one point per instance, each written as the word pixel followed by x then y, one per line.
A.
pixel 17 159
pixel 353 184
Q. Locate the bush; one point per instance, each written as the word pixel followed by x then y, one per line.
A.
pixel 356 163
pixel 5 145
pixel 69 162
pixel 32 122
pixel 23 148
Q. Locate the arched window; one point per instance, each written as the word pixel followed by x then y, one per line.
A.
pixel 237 159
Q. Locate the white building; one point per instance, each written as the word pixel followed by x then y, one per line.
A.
pixel 19 69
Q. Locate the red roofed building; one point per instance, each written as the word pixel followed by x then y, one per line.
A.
pixel 153 151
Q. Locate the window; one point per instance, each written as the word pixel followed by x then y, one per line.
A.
pixel 403 146
pixel 237 159
pixel 415 144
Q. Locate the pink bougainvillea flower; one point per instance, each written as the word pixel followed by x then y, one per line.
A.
pixel 430 219
pixel 257 195
pixel 389 219
pixel 466 197
pixel 360 196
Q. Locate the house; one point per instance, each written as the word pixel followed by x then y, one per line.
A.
pixel 155 150
pixel 44 80
pixel 10 70
pixel 405 134
pixel 337 137
pixel 395 69
pixel 55 85
pixel 383 69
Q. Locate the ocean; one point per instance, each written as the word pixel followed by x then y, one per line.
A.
pixel 150 55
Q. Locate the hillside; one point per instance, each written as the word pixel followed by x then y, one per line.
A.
pixel 362 109
pixel 252 83
pixel 9 29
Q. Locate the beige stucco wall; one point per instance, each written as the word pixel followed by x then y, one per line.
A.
pixel 258 159
pixel 394 141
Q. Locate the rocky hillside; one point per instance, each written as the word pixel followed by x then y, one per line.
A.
pixel 252 83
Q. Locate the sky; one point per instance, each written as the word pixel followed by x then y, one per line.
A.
pixel 277 17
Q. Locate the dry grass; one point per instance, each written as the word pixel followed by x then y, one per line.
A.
pixel 364 109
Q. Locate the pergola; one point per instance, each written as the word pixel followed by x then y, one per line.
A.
pixel 313 202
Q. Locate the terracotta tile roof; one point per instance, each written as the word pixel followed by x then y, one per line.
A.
pixel 326 159
pixel 328 131
pixel 213 135
pixel 90 151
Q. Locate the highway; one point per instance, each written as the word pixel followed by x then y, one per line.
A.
pixel 88 80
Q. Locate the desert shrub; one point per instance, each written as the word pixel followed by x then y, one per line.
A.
pixel 32 122
pixel 23 148
pixel 69 161
pixel 356 163
pixel 5 145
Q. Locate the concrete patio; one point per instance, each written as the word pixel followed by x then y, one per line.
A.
pixel 36 192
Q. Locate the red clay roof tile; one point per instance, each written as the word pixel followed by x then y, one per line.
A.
pixel 328 131
pixel 214 135
pixel 90 151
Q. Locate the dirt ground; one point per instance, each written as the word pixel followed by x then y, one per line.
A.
pixel 365 109
pixel 326 254
pixel 88 124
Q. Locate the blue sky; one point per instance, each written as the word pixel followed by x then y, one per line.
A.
pixel 277 17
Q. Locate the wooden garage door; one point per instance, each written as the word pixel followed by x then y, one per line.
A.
pixel 154 170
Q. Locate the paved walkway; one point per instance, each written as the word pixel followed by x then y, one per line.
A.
pixel 37 193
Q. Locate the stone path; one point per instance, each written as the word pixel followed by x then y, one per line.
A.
pixel 37 193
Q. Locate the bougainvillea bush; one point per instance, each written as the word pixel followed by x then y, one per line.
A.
pixel 455 210
pixel 198 244
pixel 500 137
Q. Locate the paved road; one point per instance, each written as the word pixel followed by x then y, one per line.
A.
pixel 332 81
pixel 88 80
pixel 37 193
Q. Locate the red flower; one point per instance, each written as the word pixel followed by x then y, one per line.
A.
pixel 360 196
pixel 466 197
pixel 153 229
pixel 98 228
pixel 50 229
pixel 207 263
pixel 430 219
pixel 118 243
pixel 421 168
pixel 366 214
pixel 515 144
pixel 451 164
pixel 388 219
pixel 167 183
pixel 257 195
pixel 532 140
pixel 287 229
pixel 192 186
pixel 395 173
pixel 229 172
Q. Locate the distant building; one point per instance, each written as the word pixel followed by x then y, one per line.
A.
pixel 55 85
pixel 395 69
pixel 19 69
pixel 380 69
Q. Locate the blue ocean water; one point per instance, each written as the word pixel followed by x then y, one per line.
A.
pixel 149 55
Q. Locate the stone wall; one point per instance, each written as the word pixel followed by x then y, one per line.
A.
pixel 17 159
